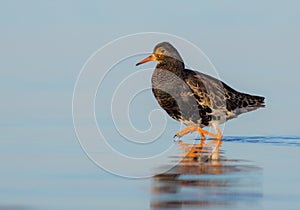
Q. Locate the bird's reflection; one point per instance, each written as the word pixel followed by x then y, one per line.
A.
pixel 205 178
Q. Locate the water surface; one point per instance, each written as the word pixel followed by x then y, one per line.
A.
pixel 251 173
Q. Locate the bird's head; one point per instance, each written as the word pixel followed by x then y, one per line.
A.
pixel 163 51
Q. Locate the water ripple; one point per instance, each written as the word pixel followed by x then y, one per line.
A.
pixel 274 140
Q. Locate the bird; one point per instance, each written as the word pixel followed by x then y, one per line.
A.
pixel 193 98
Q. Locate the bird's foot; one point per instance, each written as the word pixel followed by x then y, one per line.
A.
pixel 176 138
pixel 202 132
pixel 190 129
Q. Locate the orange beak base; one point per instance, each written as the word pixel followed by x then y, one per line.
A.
pixel 149 58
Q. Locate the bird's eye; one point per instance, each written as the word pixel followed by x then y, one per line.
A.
pixel 162 50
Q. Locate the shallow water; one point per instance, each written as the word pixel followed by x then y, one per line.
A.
pixel 251 173
pixel 200 182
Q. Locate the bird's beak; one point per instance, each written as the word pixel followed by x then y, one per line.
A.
pixel 149 58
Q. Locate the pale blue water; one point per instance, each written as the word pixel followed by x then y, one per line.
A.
pixel 252 173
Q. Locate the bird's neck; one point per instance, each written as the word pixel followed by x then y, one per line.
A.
pixel 174 66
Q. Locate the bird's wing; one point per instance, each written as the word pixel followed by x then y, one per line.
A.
pixel 210 90
pixel 220 96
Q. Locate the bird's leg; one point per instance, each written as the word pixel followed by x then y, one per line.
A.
pixel 190 129
pixel 202 137
pixel 215 154
pixel 196 151
pixel 202 132
pixel 218 134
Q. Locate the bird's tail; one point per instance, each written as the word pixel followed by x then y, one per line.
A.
pixel 254 102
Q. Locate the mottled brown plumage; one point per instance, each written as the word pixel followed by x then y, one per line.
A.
pixel 194 98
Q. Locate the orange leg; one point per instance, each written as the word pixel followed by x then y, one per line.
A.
pixel 196 151
pixel 202 132
pixel 216 151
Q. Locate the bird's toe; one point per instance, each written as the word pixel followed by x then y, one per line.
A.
pixel 176 138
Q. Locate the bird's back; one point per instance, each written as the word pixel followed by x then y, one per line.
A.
pixel 221 98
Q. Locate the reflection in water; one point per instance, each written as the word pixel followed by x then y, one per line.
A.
pixel 205 178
